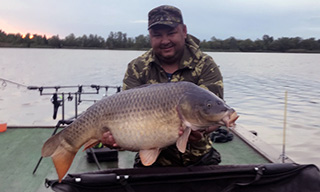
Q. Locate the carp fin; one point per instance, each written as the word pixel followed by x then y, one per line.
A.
pixel 62 160
pixel 149 156
pixel 183 140
pixel 90 143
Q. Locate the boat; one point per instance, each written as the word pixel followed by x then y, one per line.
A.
pixel 248 163
pixel 21 147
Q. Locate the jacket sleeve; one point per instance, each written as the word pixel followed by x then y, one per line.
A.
pixel 211 77
pixel 132 77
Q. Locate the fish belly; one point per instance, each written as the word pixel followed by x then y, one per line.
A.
pixel 148 132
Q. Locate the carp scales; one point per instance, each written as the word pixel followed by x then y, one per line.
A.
pixel 144 119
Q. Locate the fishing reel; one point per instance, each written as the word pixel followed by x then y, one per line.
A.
pixel 56 101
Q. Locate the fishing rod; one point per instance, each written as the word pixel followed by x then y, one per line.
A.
pixel 5 82
pixel 80 88
pixel 283 155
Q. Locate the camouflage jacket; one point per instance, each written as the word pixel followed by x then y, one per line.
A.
pixel 195 66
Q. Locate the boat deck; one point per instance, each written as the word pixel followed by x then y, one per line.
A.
pixel 21 147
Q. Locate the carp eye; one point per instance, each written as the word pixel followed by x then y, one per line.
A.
pixel 209 105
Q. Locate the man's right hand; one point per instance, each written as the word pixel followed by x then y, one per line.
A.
pixel 108 140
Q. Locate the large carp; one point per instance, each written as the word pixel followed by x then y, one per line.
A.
pixel 143 119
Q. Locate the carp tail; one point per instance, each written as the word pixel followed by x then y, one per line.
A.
pixel 62 158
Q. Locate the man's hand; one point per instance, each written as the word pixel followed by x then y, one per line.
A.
pixel 108 140
pixel 197 135
pixel 212 128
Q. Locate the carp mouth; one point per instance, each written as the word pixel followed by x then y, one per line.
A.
pixel 227 118
pixel 198 122
pixel 230 118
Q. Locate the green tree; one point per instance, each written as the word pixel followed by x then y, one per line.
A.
pixel 142 42
pixel 110 43
pixel 95 41
pixel 232 43
pixel 258 45
pixel 267 40
pixel 246 45
pixel 309 44
pixel 55 41
pixel 215 43
pixel 296 42
pixel 71 41
pixel 204 44
pixel 3 36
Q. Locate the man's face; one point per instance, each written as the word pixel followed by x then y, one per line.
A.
pixel 168 43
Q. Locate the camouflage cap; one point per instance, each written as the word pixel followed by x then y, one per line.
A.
pixel 165 15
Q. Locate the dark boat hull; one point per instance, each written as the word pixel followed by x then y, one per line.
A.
pixel 255 178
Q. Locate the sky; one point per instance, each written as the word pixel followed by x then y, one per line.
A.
pixel 205 19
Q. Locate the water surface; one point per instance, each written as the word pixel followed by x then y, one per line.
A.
pixel 255 85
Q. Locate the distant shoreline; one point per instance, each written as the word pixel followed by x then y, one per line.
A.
pixel 144 49
pixel 120 41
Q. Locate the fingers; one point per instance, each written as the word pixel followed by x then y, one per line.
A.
pixel 108 140
pixel 181 131
pixel 212 128
pixel 195 136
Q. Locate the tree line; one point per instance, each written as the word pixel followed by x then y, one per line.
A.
pixel 265 44
pixel 119 40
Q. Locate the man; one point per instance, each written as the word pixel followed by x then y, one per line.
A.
pixel 175 56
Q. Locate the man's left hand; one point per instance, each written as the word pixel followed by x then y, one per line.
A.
pixel 197 135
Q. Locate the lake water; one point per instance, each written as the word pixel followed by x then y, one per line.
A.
pixel 255 85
